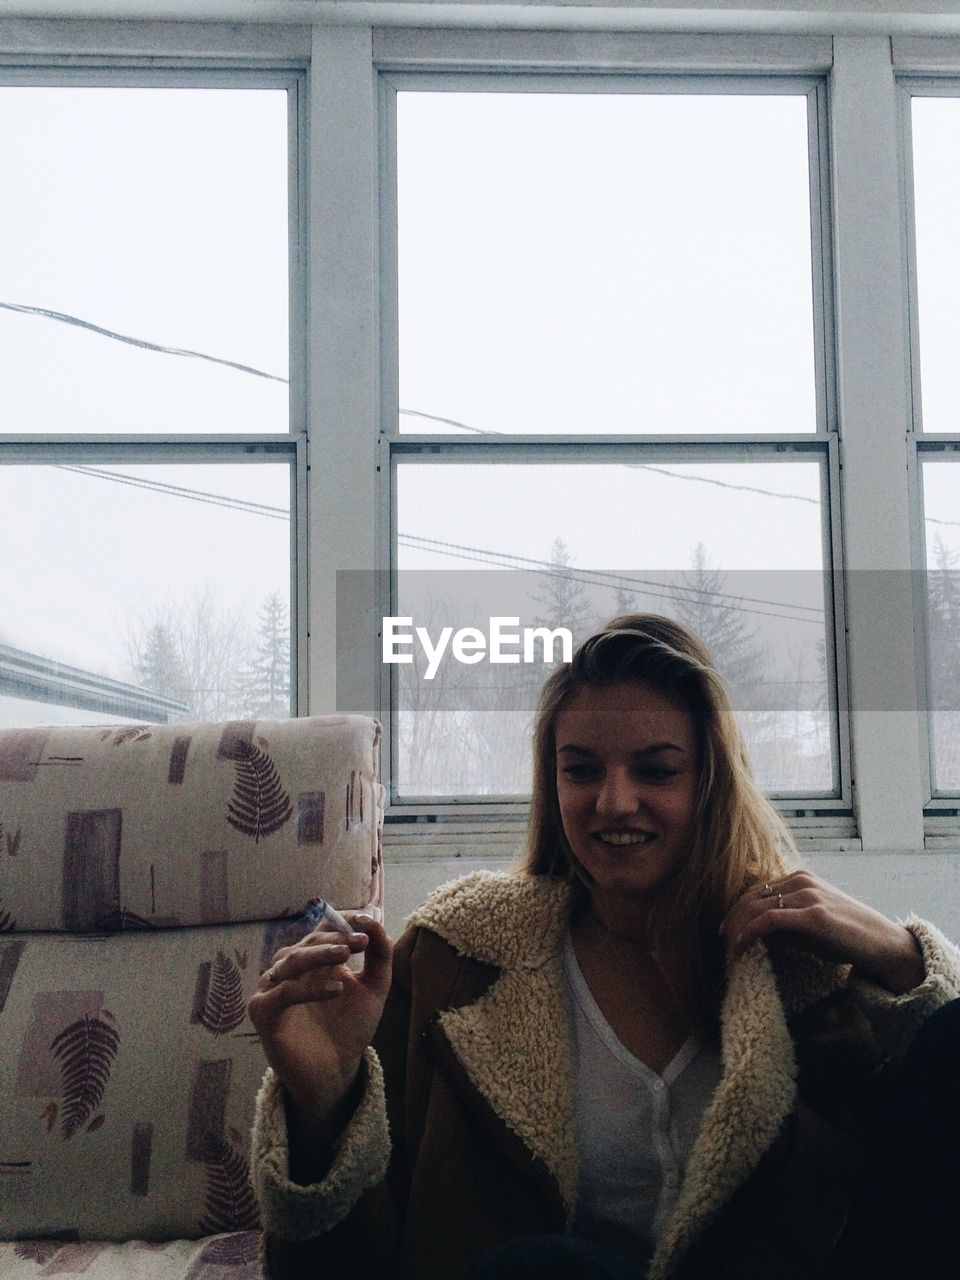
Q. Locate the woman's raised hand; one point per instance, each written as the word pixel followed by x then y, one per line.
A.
pixel 808 914
pixel 315 1016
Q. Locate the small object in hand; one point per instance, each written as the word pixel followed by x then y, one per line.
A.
pixel 271 977
pixel 767 890
pixel 779 900
pixel 319 913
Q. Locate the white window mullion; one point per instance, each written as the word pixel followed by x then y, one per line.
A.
pixel 343 356
pixel 874 422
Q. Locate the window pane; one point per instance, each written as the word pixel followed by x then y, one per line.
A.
pixel 159 215
pixel 146 593
pixel 604 263
pixel 570 546
pixel 936 182
pixel 941 486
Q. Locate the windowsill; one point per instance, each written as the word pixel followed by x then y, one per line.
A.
pixel 444 836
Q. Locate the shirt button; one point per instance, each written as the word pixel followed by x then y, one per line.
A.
pixel 658 1086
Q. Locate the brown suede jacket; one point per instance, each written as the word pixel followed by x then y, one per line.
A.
pixel 465 1135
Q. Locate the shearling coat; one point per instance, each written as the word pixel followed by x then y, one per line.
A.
pixel 472 1063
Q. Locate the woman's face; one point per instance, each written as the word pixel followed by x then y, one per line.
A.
pixel 627 772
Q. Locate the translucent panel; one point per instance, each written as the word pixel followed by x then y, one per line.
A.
pixel 160 216
pixel 604 263
pixel 936 183
pixel 733 550
pixel 147 593
pixel 941 502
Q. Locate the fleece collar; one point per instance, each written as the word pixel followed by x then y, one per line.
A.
pixel 514 1041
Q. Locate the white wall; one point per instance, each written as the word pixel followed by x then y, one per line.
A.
pixel 896 883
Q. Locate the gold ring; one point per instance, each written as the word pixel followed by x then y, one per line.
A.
pixel 271 977
pixel 779 901
pixel 767 890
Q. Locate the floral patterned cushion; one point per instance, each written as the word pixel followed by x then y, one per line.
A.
pixel 222 1257
pixel 147 875
pixel 161 825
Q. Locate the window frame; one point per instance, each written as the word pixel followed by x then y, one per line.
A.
pixel 832 812
pixel 941 805
pixel 81 448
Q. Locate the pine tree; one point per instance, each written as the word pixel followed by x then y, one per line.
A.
pixel 159 666
pixel 562 596
pixel 711 612
pixel 624 601
pixel 268 683
pixel 944 605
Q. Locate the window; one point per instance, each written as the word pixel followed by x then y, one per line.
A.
pixel 933 144
pixel 746 387
pixel 608 375
pixel 151 464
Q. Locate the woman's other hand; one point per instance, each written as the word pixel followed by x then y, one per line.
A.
pixel 805 913
pixel 315 1017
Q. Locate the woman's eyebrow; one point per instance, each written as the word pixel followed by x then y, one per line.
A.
pixel 654 749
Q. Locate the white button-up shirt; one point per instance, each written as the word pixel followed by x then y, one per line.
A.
pixel 635 1129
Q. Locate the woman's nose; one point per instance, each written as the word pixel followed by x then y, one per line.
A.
pixel 618 794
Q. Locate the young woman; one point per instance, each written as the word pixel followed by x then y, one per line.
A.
pixel 652 1051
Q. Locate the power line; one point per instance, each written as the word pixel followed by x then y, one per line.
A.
pixel 64 318
pixel 438 547
pixel 599 578
pixel 636 466
pixel 177 491
pixel 450 422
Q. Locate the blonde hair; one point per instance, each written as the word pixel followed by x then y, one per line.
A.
pixel 739 838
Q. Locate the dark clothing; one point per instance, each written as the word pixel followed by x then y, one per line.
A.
pixel 902 1221
pixel 477 1074
pixel 557 1258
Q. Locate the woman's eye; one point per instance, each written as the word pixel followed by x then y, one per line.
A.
pixel 658 775
pixel 578 772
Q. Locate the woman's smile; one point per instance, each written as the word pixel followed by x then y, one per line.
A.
pixel 626 837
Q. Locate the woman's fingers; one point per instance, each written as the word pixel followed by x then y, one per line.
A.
pixel 326 952
pixel 805 921
pixel 292 962
pixel 378 953
pixel 790 904
pixel 777 895
pixel 307 989
pixel 809 914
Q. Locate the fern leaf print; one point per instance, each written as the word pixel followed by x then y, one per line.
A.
pixel 131 733
pixel 236 1250
pixel 229 1203
pixel 38 1251
pixel 7 922
pixel 86 1050
pixel 224 1007
pixel 259 805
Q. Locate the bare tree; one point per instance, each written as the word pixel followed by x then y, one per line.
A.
pixel 206 644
